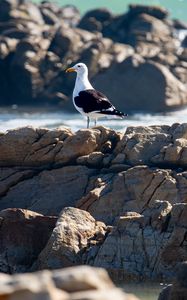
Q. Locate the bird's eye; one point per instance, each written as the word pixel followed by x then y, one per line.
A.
pixel 78 66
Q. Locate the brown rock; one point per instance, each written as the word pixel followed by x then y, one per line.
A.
pixel 45 285
pixel 154 145
pixel 35 286
pixel 73 232
pixel 158 79
pixel 82 278
pixel 145 247
pixel 19 245
pixel 63 186
pixel 31 147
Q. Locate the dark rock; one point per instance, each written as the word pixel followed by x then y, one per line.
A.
pixel 177 290
pixel 5 8
pixel 23 234
pixel 184 42
pixel 49 17
pixel 155 11
pixel 90 24
pixel 181 277
pixel 95 19
pixel 165 293
pixel 16 34
pixel 178 24
pixel 65 40
pixel 151 81
pixel 100 14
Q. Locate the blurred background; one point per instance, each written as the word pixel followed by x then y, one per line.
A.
pixel 136 53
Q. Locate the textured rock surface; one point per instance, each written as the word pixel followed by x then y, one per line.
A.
pixel 177 290
pixel 23 234
pixel 159 93
pixel 37 41
pixel 127 192
pixel 69 284
pixel 75 230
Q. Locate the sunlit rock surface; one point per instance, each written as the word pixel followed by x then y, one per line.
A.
pixel 96 197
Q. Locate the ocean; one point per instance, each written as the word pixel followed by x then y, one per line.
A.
pixel 177 8
pixel 13 117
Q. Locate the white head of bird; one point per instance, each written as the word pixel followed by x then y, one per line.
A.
pixel 80 68
pixel 82 83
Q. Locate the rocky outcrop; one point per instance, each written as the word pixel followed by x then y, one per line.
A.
pixel 68 284
pixel 177 290
pixel 147 246
pixel 38 41
pixel 122 199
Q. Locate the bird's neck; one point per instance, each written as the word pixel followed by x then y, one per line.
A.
pixel 82 83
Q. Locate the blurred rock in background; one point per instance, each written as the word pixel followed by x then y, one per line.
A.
pixel 140 52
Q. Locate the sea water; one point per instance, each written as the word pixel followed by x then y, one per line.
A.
pixel 11 117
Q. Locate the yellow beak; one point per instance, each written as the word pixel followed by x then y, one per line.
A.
pixel 70 70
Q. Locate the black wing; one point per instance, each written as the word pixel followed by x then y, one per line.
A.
pixel 92 100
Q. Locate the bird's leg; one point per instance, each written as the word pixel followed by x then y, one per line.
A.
pixel 95 123
pixel 88 122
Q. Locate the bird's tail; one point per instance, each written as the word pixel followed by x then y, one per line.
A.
pixel 116 113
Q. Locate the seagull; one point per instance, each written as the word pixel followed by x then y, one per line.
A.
pixel 87 100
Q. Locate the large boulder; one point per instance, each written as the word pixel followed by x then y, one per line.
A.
pixel 140 85
pixel 75 231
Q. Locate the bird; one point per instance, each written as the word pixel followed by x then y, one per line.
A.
pixel 88 101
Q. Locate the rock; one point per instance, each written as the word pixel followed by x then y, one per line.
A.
pixel 82 278
pixel 34 147
pixel 164 294
pixel 155 11
pixel 74 230
pixel 178 24
pixel 59 285
pixel 5 7
pixel 184 42
pixel 31 286
pixel 38 42
pixel 137 234
pixel 46 188
pixel 19 245
pixel 65 40
pixel 94 20
pixel 178 289
pixel 135 182
pixel 70 15
pixel 148 28
pixel 157 77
